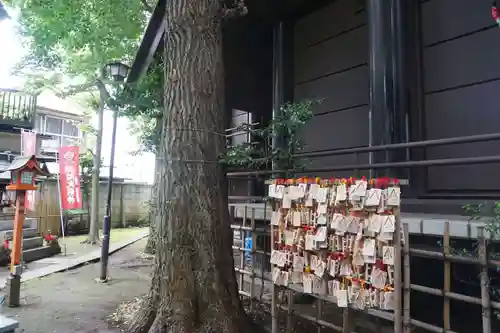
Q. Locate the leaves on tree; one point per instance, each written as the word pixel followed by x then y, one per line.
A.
pixel 259 152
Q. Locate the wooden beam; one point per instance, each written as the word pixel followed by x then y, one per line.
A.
pixel 149 44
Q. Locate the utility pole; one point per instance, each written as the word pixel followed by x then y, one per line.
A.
pixel 94 213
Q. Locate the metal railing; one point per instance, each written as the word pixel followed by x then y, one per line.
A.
pixel 390 165
pixel 17 108
pixel 256 223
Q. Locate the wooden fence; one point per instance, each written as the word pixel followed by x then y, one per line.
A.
pixel 255 281
pixel 128 204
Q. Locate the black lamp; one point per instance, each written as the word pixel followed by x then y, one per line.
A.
pixel 117 71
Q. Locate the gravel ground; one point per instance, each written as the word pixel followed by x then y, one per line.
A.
pixel 73 301
pixel 74 248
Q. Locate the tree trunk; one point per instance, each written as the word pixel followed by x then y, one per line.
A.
pixel 194 286
pixel 93 237
pixel 153 214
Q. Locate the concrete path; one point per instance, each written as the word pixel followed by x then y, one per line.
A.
pixel 59 264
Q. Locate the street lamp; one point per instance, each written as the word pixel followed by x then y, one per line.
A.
pixel 118 72
pixel 3 12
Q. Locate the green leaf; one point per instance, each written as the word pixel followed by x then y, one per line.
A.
pixel 68 43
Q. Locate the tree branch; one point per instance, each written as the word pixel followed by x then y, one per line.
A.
pixel 73 90
pixel 102 90
pixel 148 7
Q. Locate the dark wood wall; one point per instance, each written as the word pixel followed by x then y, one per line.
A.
pixel 455 73
pixel 248 61
pixel 248 66
pixel 458 90
pixel 331 64
pixel 460 48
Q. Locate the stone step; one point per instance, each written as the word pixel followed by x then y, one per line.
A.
pixel 29 222
pixel 40 253
pixel 27 233
pixel 31 243
pixel 8 325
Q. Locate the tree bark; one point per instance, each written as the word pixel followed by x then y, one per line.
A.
pixel 194 286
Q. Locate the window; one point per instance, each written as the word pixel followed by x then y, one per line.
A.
pixel 64 132
pixel 39 123
pixel 68 141
pixel 239 133
pixel 53 125
pixel 70 129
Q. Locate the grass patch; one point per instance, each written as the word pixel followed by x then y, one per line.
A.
pixel 117 235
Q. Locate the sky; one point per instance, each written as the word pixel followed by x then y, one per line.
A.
pixel 139 168
pixel 10 41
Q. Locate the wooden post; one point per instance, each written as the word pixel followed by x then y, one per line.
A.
pixel 274 296
pixel 289 319
pixel 406 281
pixel 253 257
pixel 319 309
pixel 243 236
pixel 485 282
pixel 18 230
pixel 348 322
pixel 398 318
pixel 447 277
pixel 122 207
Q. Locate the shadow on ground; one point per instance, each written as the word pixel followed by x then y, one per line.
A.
pixel 73 301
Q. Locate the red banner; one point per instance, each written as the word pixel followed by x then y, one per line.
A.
pixel 69 173
pixel 28 147
pixel 28 143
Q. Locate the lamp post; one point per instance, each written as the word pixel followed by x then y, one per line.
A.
pixel 118 72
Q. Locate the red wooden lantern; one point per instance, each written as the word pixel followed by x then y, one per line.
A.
pixel 23 171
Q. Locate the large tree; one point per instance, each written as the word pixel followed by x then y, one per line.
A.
pixel 194 287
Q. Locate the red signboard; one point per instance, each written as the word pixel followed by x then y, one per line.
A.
pixel 28 147
pixel 69 173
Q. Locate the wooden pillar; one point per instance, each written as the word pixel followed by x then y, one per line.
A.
pixel 388 84
pixel 17 238
pixel 278 87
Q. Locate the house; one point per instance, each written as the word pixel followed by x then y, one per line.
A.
pixel 55 124
pixel 60 120
pixel 17 112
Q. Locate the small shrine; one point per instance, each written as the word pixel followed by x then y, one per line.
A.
pixel 23 172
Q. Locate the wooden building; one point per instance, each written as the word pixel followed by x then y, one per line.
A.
pixel 388 72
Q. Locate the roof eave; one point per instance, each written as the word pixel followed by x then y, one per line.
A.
pixel 149 44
